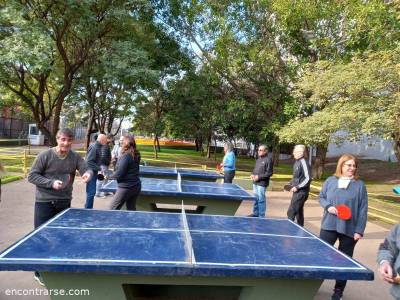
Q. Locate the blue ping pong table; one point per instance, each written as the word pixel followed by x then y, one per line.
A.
pixel 200 197
pixel 186 174
pixel 134 255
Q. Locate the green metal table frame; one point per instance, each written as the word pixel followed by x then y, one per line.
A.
pixel 135 287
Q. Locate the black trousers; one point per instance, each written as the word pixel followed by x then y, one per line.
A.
pixel 228 176
pixel 296 207
pixel 44 211
pixel 346 245
pixel 126 195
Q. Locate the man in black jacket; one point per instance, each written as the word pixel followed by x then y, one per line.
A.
pixel 263 170
pixel 300 185
pixel 105 160
pixel 93 161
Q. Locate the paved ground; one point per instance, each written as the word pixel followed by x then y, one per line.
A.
pixel 16 219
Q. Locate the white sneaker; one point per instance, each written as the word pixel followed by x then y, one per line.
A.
pixel 38 278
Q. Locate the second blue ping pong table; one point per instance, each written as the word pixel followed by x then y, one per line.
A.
pixel 199 197
pixel 123 255
pixel 172 173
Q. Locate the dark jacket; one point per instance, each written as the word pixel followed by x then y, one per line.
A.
pixel 105 155
pixel 301 174
pixel 264 168
pixel 93 156
pixel 127 171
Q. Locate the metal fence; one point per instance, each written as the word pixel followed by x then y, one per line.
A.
pixel 13 128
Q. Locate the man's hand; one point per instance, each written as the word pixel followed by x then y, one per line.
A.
pixel 254 177
pixel 86 176
pixel 386 271
pixel 57 185
pixel 294 189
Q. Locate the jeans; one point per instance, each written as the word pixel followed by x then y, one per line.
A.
pixel 228 176
pixel 91 191
pixel 260 205
pixel 44 211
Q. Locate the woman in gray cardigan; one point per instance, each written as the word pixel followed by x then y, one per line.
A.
pixel 344 188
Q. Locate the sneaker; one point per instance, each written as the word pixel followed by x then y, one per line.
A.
pixel 101 195
pixel 252 216
pixel 38 278
pixel 337 295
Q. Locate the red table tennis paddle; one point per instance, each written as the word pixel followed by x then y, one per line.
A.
pixel 343 212
pixel 219 167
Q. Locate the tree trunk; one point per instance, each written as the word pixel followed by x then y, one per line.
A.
pixel 275 154
pixel 158 144
pixel 155 147
pixel 215 150
pixel 319 161
pixel 89 128
pixel 196 143
pixel 209 146
pixel 396 146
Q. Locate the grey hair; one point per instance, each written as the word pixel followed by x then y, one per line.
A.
pixel 65 131
pixel 264 146
pixel 229 146
pixel 300 147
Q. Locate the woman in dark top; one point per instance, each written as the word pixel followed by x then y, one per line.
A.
pixel 127 175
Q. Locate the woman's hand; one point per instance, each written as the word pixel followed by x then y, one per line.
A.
pixel 357 236
pixel 332 210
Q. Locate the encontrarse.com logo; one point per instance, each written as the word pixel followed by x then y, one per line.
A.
pixel 45 292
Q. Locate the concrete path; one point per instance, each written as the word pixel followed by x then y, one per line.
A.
pixel 16 219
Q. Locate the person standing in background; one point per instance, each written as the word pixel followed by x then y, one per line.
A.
pixel 116 151
pixel 300 185
pixel 93 160
pixel 229 163
pixel 262 172
pixel 105 160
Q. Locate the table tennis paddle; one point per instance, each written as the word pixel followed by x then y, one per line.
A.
pixel 396 190
pixel 343 212
pixel 219 167
pixel 287 187
pixel 100 176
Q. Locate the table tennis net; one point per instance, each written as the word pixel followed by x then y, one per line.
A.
pixel 188 238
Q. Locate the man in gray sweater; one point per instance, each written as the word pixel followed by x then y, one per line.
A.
pixel 53 173
pixel 389 260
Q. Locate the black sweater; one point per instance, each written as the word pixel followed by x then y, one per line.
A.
pixel 126 171
pixel 264 168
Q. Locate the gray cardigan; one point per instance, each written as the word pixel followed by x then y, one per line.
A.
pixel 355 197
pixel 389 251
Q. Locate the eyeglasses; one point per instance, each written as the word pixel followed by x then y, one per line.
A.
pixel 261 150
pixel 350 166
